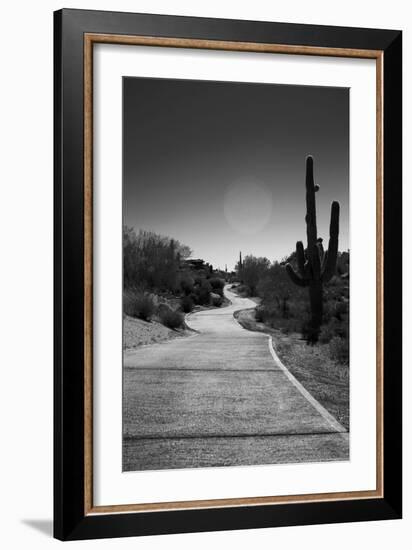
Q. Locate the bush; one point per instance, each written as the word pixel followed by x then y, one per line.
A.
pixel 138 304
pixel 330 330
pixel 202 291
pixel 339 350
pixel 219 291
pixel 193 297
pixel 216 299
pixel 206 285
pixel 151 260
pixel 341 310
pixel 161 308
pixel 243 290
pixel 217 284
pixel 187 284
pixel 252 271
pixel 170 318
pixel 203 296
pixel 186 304
pixel 259 314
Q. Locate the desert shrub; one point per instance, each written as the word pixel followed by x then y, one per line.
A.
pixel 206 285
pixel 268 314
pixel 341 309
pixel 186 304
pixel 252 271
pixel 150 260
pixel 186 284
pixel 291 325
pixel 339 350
pixel 243 290
pixel 259 314
pixel 170 318
pixel 203 296
pixel 343 263
pixel 216 299
pixel 160 310
pixel 127 303
pixel 326 334
pixel 299 309
pixel 279 293
pixel 193 297
pixel 202 292
pixel 138 304
pixel 329 330
pixel 216 283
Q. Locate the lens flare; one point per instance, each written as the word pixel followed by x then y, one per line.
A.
pixel 247 207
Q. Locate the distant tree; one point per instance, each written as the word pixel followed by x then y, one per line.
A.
pixel 183 250
pixel 151 261
pixel 253 270
pixel 276 290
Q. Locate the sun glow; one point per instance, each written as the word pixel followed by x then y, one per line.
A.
pixel 247 206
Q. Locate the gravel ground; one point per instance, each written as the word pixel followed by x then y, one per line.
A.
pixel 139 333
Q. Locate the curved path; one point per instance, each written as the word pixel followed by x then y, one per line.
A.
pixel 220 397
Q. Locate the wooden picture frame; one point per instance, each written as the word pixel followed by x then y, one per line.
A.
pixel 76 33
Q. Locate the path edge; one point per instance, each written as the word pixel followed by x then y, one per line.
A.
pixel 337 426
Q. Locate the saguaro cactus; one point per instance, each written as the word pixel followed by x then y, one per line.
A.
pixel 315 266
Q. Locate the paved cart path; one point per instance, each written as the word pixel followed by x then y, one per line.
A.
pixel 220 397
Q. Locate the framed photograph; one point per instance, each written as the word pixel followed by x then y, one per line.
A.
pixel 227 274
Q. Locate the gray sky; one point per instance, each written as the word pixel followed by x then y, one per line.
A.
pixel 221 166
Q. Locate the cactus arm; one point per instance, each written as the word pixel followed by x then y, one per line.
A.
pixel 307 270
pixel 300 256
pixel 330 264
pixel 295 278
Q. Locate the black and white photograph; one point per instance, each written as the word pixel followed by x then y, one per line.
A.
pixel 235 274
